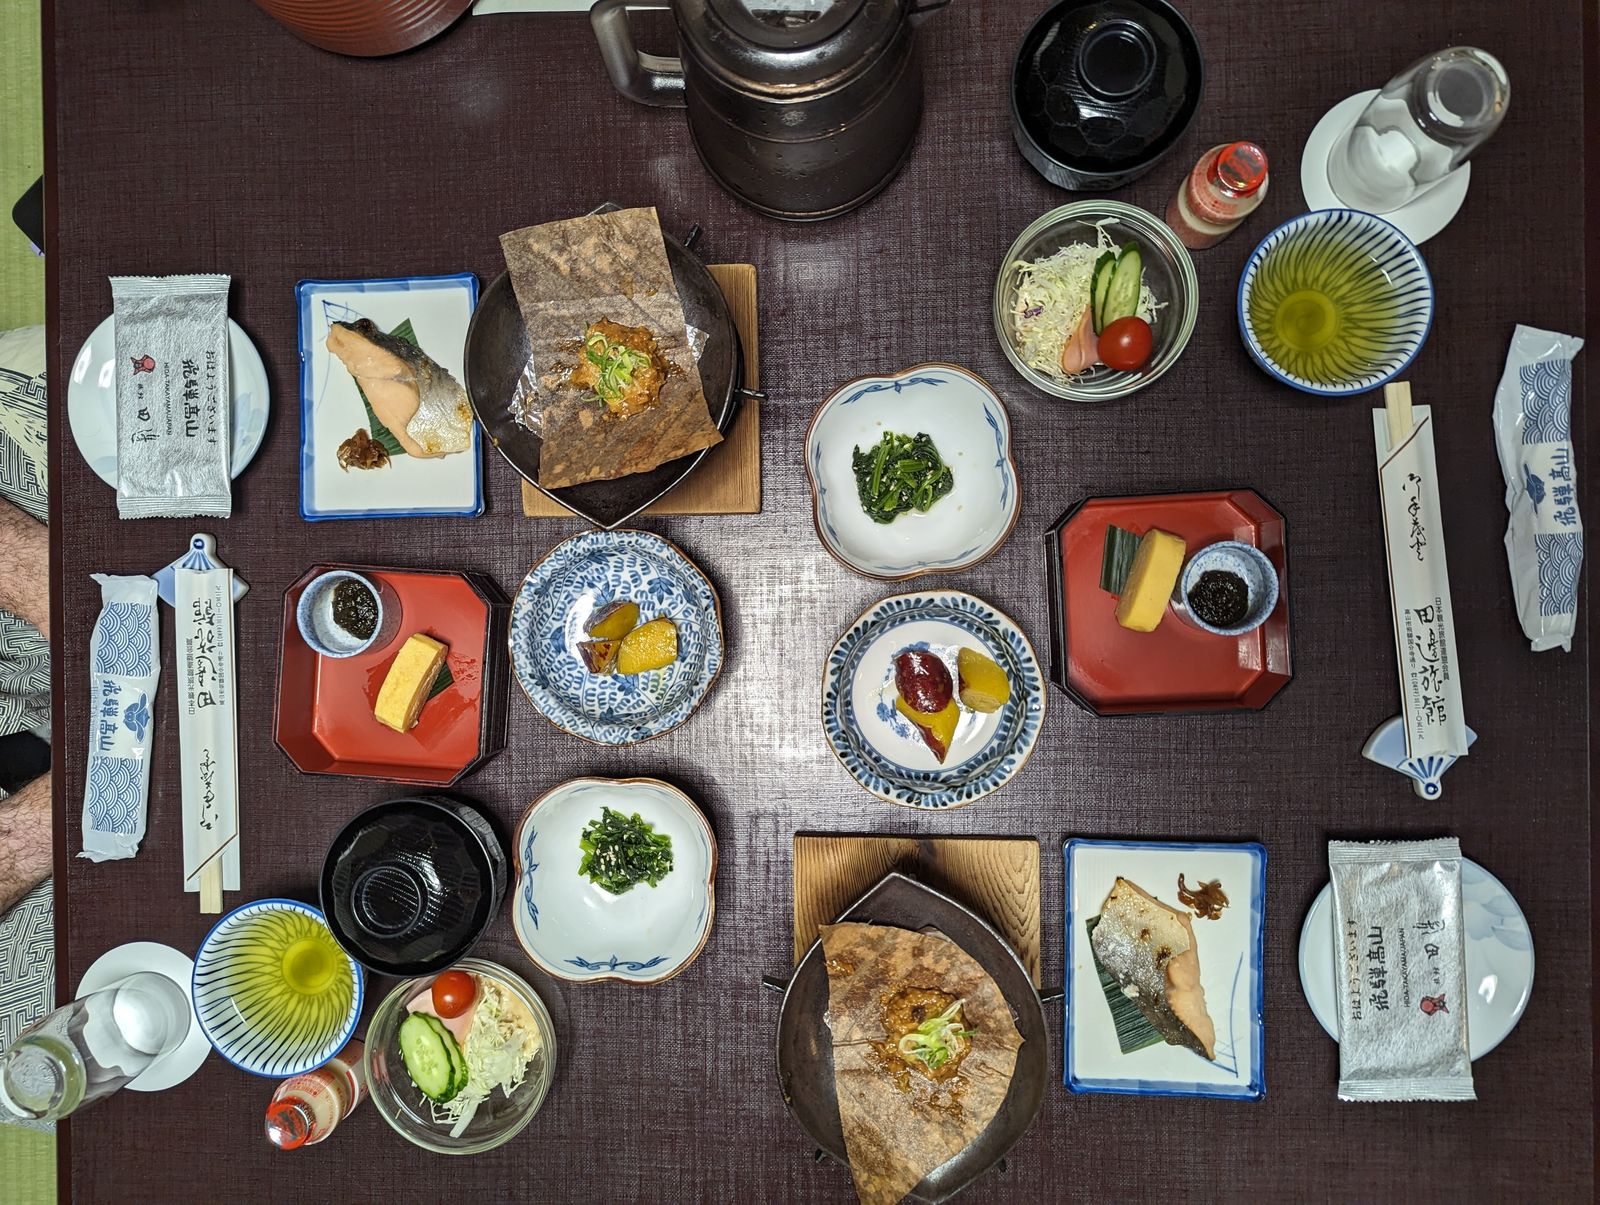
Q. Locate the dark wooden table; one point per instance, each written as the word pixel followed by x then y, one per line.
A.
pixel 198 136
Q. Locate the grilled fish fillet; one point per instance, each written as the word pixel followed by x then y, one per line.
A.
pixel 1149 949
pixel 421 403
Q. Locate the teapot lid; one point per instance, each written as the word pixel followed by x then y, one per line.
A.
pixel 787 24
pixel 787 44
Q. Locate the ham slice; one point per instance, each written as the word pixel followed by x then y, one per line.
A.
pixel 1082 349
pixel 422 1002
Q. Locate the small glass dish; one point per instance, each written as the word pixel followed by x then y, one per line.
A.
pixel 1168 271
pixel 408 1112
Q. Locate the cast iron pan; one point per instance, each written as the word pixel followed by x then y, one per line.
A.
pixel 497 353
pixel 805 1045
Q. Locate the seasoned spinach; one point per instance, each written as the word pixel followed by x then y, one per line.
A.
pixel 900 473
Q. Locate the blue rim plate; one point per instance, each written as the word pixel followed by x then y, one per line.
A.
pixel 276 1055
pixel 1400 261
pixel 969 425
pixel 573 929
pixel 1231 970
pixel 881 749
pixel 573 581
pixel 440 309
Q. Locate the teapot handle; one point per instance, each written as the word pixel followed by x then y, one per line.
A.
pixel 649 79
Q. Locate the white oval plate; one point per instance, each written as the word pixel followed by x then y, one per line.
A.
pixel 92 400
pixel 968 424
pixel 1499 960
pixel 575 930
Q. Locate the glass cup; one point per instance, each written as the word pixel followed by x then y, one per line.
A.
pixel 1419 128
pixel 89 1048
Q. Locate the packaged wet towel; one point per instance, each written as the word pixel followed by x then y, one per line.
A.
pixel 124 667
pixel 1533 433
pixel 173 396
pixel 1401 970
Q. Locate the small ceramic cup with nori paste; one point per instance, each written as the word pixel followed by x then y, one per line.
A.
pixel 343 613
pixel 1227 588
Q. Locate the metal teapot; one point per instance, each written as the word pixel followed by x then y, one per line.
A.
pixel 803 109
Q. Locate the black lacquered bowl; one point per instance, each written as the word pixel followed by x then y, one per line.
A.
pixel 1102 89
pixel 409 886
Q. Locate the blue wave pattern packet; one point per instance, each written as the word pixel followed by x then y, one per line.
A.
pixel 1533 435
pixel 124 669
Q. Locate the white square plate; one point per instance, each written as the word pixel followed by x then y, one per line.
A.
pixel 440 308
pixel 1230 951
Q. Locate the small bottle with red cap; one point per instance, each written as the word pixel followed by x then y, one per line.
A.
pixel 1223 189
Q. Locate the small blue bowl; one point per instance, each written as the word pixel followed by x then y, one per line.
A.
pixel 1251 564
pixel 314 615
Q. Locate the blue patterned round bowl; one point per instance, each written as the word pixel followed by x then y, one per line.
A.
pixel 1335 302
pixel 561 594
pixel 882 749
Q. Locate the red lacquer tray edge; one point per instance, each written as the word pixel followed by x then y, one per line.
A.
pixel 492 705
pixel 1058 617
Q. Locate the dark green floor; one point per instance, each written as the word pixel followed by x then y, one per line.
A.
pixel 27 1157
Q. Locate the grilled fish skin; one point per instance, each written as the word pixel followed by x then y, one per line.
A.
pixel 419 401
pixel 1149 949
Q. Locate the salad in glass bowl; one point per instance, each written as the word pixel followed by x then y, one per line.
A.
pixel 1095 300
pixel 459 1062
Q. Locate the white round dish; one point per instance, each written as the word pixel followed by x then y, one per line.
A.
pixel 881 749
pixel 1499 960
pixel 1419 220
pixel 968 424
pixel 172 1068
pixel 575 930
pixel 92 400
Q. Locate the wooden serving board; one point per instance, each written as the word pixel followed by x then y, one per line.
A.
pixel 728 481
pixel 997 877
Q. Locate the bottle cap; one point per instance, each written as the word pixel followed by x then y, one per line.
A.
pixel 289 1124
pixel 1241 168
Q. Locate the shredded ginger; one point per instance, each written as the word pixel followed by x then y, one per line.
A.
pixel 1052 294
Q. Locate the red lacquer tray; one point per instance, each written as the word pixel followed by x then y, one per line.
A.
pixel 1109 670
pixel 324 719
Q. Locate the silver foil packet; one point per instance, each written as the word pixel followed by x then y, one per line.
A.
pixel 1400 952
pixel 173 396
pixel 1533 435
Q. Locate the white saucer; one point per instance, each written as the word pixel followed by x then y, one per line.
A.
pixel 177 1065
pixel 1420 220
pixel 92 399
pixel 1499 959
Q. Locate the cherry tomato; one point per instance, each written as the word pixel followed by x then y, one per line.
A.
pixel 453 993
pixel 1125 344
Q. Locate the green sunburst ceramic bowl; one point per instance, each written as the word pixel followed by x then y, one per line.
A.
pixel 273 991
pixel 1335 302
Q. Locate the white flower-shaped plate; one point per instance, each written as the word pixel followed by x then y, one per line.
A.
pixel 968 424
pixel 563 591
pixel 1499 960
pixel 881 749
pixel 576 930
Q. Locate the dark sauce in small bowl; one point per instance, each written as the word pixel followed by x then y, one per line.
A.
pixel 1220 598
pixel 355 609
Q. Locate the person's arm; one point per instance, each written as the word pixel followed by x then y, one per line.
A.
pixel 25 567
pixel 25 839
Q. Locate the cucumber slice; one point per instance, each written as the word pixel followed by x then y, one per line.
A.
pixel 1122 295
pixel 1099 286
pixel 458 1057
pixel 426 1050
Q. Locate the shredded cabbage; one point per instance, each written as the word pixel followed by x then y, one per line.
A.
pixel 498 1049
pixel 1052 294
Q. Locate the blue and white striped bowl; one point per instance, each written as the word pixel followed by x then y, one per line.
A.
pixel 250 1014
pixel 879 746
pixel 1377 283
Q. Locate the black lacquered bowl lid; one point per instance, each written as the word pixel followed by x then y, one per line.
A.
pixel 408 888
pixel 1106 85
